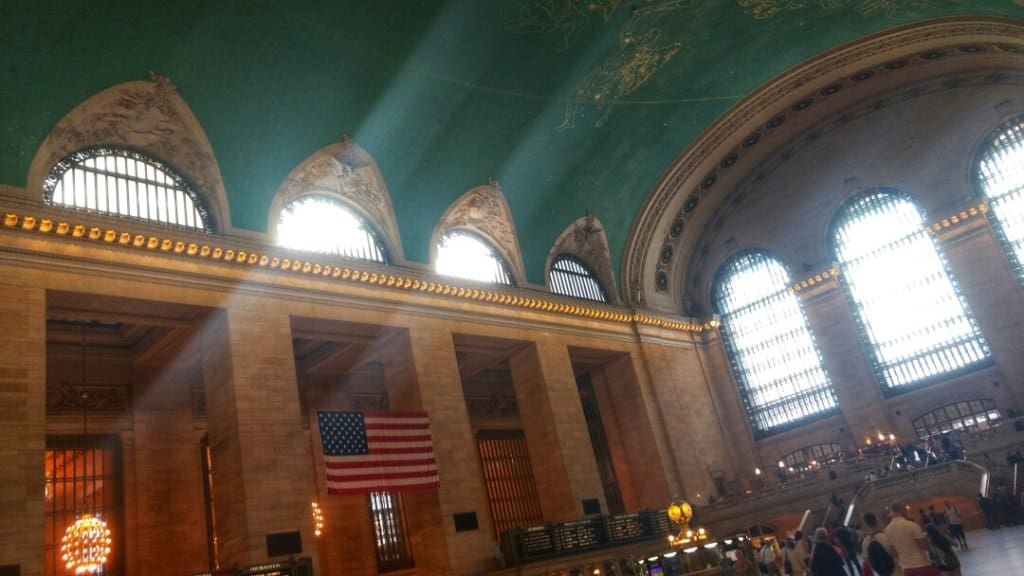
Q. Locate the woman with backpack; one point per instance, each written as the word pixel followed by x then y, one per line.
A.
pixel 878 561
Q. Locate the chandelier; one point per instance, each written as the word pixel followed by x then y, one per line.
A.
pixel 86 545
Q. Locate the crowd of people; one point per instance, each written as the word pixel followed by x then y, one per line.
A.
pixel 926 547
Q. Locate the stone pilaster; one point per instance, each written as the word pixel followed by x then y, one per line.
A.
pixel 561 455
pixel 261 457
pixel 22 427
pixel 848 364
pixel 434 372
pixel 994 294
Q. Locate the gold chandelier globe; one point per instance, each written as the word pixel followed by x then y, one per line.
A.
pixel 86 545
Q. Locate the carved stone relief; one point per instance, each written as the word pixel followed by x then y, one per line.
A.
pixel 149 117
pixel 484 210
pixel 585 239
pixel 348 172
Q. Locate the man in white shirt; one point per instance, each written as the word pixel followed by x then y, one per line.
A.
pixel 909 543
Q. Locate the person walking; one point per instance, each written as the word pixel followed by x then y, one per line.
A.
pixel 956 525
pixel 909 542
pixel 940 552
pixel 880 561
pixel 825 561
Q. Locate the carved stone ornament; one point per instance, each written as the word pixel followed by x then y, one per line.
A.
pixel 483 407
pixel 74 399
pixel 585 239
pixel 148 117
pixel 346 171
pixel 484 210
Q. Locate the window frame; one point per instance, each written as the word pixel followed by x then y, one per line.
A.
pixel 864 331
pixel 978 181
pixel 502 265
pixel 368 227
pixel 740 372
pixel 78 157
pixel 587 274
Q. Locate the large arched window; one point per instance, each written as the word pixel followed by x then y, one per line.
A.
pixel 570 276
pixel 909 309
pixel 1000 177
pixel 126 183
pixel 976 414
pixel 463 254
pixel 773 355
pixel 320 223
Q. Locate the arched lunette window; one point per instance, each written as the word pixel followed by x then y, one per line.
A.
pixel 772 352
pixel 999 173
pixel 126 183
pixel 570 276
pixel 323 224
pixel 463 254
pixel 909 309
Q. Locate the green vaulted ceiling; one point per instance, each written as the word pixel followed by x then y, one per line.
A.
pixel 571 105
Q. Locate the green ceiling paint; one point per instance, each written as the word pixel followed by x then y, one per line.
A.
pixel 443 94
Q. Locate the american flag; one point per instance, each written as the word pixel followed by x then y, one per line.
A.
pixel 377 451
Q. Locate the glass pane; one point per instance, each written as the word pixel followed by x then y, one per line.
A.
pixel 917 324
pixel 462 254
pixel 774 357
pixel 1000 175
pixel 123 182
pixel 570 277
pixel 325 225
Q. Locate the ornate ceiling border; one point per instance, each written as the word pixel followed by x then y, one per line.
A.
pixel 365 273
pixel 674 200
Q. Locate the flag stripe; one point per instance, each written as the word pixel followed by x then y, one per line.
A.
pixel 377 451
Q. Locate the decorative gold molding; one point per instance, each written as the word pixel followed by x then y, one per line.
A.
pixel 960 222
pixel 823 280
pixel 124 239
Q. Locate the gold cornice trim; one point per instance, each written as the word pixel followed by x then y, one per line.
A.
pixel 819 280
pixel 942 228
pixel 172 247
pixel 955 223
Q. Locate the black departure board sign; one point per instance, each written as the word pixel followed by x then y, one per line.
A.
pixel 625 528
pixel 573 536
pixel 537 542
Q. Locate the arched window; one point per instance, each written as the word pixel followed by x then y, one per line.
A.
pixel 1000 177
pixel 977 414
pixel 772 352
pixel 810 456
pixel 570 276
pixel 126 183
pixel 320 223
pixel 909 309
pixel 463 254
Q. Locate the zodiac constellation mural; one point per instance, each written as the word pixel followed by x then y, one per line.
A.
pixel 566 17
pixel 641 53
pixel 648 40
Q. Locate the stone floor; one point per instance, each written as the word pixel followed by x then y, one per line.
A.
pixel 994 553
